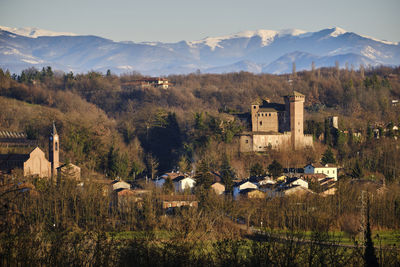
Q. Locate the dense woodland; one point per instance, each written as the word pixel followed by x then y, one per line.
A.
pixel 111 128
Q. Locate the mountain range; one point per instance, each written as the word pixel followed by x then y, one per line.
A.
pixel 261 51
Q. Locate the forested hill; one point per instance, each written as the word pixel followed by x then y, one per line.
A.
pixel 109 125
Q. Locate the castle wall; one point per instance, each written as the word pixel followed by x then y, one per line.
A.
pixel 265 122
pixel 263 142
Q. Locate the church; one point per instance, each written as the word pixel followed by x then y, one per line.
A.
pixel 34 163
pixel 277 126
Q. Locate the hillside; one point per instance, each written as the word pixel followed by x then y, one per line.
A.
pixel 98 114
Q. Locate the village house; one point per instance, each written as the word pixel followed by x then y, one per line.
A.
pixel 252 193
pixel 244 184
pixel 177 201
pixel 119 184
pixel 294 182
pixel 149 82
pixel 182 183
pixel 69 170
pixel 293 190
pixel 276 126
pixel 218 188
pixel 328 169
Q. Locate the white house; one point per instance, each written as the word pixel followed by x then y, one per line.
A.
pixel 295 181
pixel 181 183
pixel 328 169
pixel 245 184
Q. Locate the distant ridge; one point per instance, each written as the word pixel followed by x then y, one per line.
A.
pixel 260 51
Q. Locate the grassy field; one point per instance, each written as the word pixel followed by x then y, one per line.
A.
pixel 380 238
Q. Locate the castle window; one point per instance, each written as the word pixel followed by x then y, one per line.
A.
pixel 254 107
pixel 270 114
pixel 260 122
pixel 56 146
pixel 247 141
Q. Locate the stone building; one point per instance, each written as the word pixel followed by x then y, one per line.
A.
pixel 276 126
pixel 33 161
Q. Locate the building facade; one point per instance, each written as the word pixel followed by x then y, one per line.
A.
pixel 328 169
pixel 277 126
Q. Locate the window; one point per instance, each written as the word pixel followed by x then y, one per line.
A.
pixel 254 107
pixel 56 146
pixel 260 123
pixel 270 114
pixel 247 141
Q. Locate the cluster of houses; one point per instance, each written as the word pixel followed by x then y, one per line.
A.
pixel 295 181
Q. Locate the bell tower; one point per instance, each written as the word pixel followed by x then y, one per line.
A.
pixel 54 151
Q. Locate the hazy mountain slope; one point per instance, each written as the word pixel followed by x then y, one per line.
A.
pixel 253 51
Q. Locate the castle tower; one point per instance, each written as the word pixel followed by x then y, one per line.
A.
pixel 254 118
pixel 54 151
pixel 295 101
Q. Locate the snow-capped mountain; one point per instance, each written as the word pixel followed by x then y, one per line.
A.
pixel 254 51
pixel 34 32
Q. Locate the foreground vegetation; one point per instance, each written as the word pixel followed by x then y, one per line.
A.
pixel 66 224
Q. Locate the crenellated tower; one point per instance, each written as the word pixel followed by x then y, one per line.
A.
pixel 295 102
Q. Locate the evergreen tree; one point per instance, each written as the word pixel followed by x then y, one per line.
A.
pixel 203 176
pixel 357 170
pixel 257 170
pixel 275 169
pixel 117 165
pixel 327 133
pixel 369 132
pixel 328 157
pixel 168 186
pixel 227 174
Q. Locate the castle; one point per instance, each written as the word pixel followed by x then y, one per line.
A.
pixel 277 126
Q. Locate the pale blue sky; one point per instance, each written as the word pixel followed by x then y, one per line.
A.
pixel 175 20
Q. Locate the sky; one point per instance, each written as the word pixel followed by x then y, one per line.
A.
pixel 177 20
